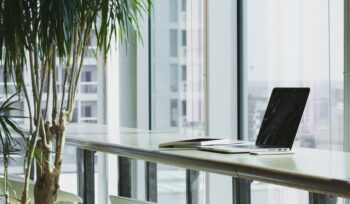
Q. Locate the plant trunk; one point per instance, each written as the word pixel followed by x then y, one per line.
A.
pixel 47 182
pixel 46 188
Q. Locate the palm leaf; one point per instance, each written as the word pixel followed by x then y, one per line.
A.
pixel 7 125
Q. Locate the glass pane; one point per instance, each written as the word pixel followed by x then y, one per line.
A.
pixel 88 109
pixel 177 78
pixel 294 43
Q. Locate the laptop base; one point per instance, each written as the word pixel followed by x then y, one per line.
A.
pixel 225 149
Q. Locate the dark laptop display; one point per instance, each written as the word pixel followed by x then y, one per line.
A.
pixel 282 117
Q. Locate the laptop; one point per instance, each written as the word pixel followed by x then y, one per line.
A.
pixel 279 126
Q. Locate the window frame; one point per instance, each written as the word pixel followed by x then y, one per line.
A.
pixel 346 139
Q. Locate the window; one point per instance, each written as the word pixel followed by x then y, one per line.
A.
pixel 184 38
pixel 75 115
pixel 184 108
pixel 89 79
pixel 174 113
pixel 176 51
pixel 173 43
pixel 294 43
pixel 86 76
pixel 183 5
pixel 184 73
pixel 88 88
pixel 173 78
pixel 88 109
pixel 89 73
pixel 173 11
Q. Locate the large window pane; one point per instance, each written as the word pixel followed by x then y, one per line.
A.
pixel 177 78
pixel 89 108
pixel 294 43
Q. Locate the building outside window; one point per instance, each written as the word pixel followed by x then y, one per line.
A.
pixel 176 109
pixel 186 59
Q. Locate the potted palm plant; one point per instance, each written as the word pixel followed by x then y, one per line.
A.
pixel 37 36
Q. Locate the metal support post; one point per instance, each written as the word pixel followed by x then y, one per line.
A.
pixel 192 187
pixel 241 191
pixel 151 181
pixel 86 175
pixel 316 198
pixel 124 183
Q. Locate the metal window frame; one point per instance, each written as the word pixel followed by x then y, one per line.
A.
pixel 346 136
pixel 240 64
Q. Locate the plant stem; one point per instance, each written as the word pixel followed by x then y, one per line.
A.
pixel 33 142
pixel 29 156
pixel 6 191
pixel 28 103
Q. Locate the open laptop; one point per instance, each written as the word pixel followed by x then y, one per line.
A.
pixel 280 123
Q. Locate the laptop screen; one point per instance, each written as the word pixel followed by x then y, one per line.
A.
pixel 282 117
